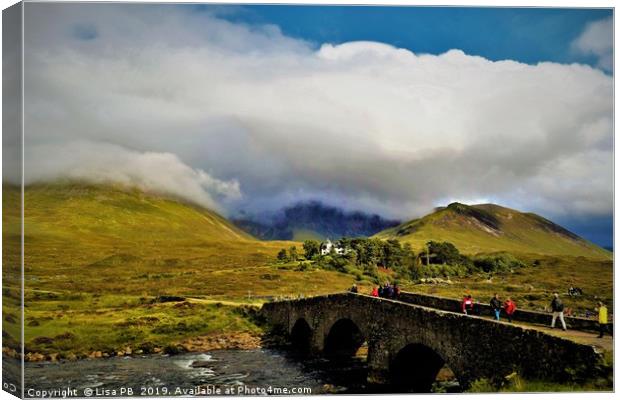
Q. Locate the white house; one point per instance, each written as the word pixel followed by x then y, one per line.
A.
pixel 327 246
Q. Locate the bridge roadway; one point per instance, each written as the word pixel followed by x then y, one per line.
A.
pixel 408 344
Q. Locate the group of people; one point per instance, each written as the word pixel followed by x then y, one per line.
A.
pixel 574 291
pixel 387 291
pixel 468 306
pixel 509 307
pixel 557 310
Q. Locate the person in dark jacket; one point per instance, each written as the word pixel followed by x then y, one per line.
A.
pixel 396 291
pixel 557 307
pixel 353 288
pixel 389 291
pixel 496 306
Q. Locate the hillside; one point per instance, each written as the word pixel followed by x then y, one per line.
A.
pixel 98 256
pixel 488 227
pixel 109 239
pixel 313 220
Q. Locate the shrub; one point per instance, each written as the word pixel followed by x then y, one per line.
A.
pixel 482 386
pixel 503 262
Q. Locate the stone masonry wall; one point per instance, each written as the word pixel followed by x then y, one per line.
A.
pixel 472 347
pixel 444 303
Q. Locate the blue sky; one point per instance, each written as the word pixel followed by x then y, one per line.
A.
pixel 528 35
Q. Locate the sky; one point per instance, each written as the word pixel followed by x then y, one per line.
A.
pixel 382 109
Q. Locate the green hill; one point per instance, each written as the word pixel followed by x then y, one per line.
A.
pixel 107 238
pixel 487 228
pixel 97 258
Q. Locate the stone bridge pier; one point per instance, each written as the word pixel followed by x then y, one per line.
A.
pixel 409 344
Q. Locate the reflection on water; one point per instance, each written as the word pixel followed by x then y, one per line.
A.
pixel 194 373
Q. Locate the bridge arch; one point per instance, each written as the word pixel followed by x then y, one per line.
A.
pixel 343 339
pixel 390 326
pixel 301 336
pixel 415 368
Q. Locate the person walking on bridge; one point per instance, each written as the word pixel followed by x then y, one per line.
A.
pixel 353 288
pixel 602 318
pixel 557 307
pixel 496 306
pixel 375 292
pixel 389 291
pixel 468 304
pixel 396 291
pixel 510 307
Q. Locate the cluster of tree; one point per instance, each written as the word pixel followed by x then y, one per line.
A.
pixel 445 253
pixel 502 262
pixel 365 255
pixel 291 255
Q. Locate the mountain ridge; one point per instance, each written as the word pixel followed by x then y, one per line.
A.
pixel 313 220
pixel 489 227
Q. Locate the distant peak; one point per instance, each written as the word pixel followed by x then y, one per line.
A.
pixel 457 206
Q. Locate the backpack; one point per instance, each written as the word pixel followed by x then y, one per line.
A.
pixel 557 305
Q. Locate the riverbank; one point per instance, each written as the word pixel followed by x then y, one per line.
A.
pixel 198 344
pixel 89 326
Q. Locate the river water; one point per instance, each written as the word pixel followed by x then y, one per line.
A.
pixel 260 371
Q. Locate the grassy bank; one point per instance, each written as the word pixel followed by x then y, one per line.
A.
pixel 75 326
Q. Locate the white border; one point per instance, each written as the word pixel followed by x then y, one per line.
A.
pixel 471 3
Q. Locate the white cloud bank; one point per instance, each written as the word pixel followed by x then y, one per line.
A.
pixel 597 40
pixel 103 163
pixel 362 125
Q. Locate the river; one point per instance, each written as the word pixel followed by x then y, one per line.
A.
pixel 260 371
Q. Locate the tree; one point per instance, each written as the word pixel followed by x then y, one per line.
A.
pixel 312 248
pixel 282 255
pixel 444 252
pixel 392 253
pixel 292 251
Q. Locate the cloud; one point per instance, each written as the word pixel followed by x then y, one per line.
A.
pixel 363 125
pixel 597 40
pixel 163 173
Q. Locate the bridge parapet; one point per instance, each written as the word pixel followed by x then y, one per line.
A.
pixel 410 343
pixel 535 317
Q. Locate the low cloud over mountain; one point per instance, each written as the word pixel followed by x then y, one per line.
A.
pixel 248 118
pixel 313 219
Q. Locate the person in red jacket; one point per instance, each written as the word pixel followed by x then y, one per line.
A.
pixel 510 307
pixel 468 304
pixel 375 292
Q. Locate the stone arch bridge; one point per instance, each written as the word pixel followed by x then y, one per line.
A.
pixel 408 344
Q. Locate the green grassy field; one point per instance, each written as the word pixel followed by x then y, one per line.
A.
pixel 92 252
